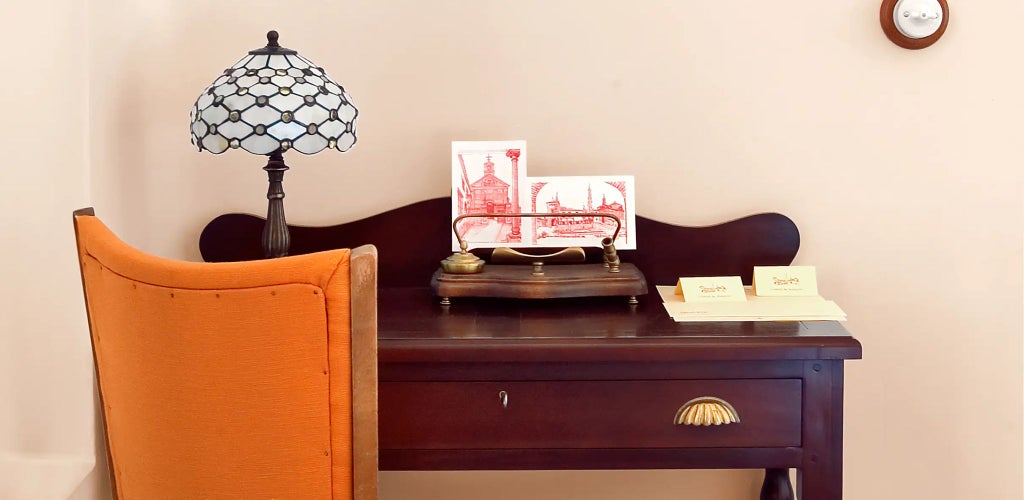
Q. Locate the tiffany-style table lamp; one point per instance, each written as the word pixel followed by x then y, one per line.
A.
pixel 271 101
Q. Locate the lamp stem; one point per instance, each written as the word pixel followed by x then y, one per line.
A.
pixel 276 239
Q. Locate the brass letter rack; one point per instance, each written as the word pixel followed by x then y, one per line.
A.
pixel 519 275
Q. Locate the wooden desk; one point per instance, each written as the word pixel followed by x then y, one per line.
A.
pixel 589 383
pixel 594 384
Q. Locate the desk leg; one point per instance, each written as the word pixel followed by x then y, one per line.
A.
pixel 820 477
pixel 776 485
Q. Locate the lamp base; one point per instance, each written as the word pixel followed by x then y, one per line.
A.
pixel 276 239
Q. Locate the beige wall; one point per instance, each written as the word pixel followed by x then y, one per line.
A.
pixel 898 166
pixel 46 426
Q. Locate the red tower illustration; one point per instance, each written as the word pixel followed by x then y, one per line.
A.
pixel 513 154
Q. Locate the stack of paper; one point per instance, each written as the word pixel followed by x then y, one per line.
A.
pixel 753 309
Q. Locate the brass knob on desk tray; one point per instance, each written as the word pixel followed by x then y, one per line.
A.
pixel 706 410
pixel 611 257
pixel 462 262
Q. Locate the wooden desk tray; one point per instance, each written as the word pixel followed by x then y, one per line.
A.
pixel 558 281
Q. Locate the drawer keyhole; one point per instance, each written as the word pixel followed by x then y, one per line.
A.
pixel 503 398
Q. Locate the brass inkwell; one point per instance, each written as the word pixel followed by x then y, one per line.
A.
pixel 519 275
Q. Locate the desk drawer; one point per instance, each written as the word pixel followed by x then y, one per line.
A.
pixel 584 414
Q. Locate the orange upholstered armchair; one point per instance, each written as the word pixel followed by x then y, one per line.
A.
pixel 248 380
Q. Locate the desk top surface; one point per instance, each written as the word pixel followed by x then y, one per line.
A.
pixel 414 327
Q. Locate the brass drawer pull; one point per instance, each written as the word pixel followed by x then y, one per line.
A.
pixel 503 399
pixel 706 410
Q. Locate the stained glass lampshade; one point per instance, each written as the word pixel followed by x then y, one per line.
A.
pixel 271 101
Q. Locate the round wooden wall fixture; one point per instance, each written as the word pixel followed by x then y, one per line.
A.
pixel 914 24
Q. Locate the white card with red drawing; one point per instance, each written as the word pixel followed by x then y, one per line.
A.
pixel 563 196
pixel 489 177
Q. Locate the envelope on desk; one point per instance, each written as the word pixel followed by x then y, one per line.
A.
pixel 754 309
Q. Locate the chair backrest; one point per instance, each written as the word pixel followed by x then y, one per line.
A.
pixel 237 380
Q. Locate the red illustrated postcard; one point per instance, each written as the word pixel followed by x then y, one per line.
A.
pixel 563 197
pixel 489 178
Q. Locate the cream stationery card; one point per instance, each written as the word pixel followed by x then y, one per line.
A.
pixel 754 309
pixel 785 281
pixel 711 289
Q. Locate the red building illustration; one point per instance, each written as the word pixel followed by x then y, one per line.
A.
pixel 489 194
pixel 570 226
